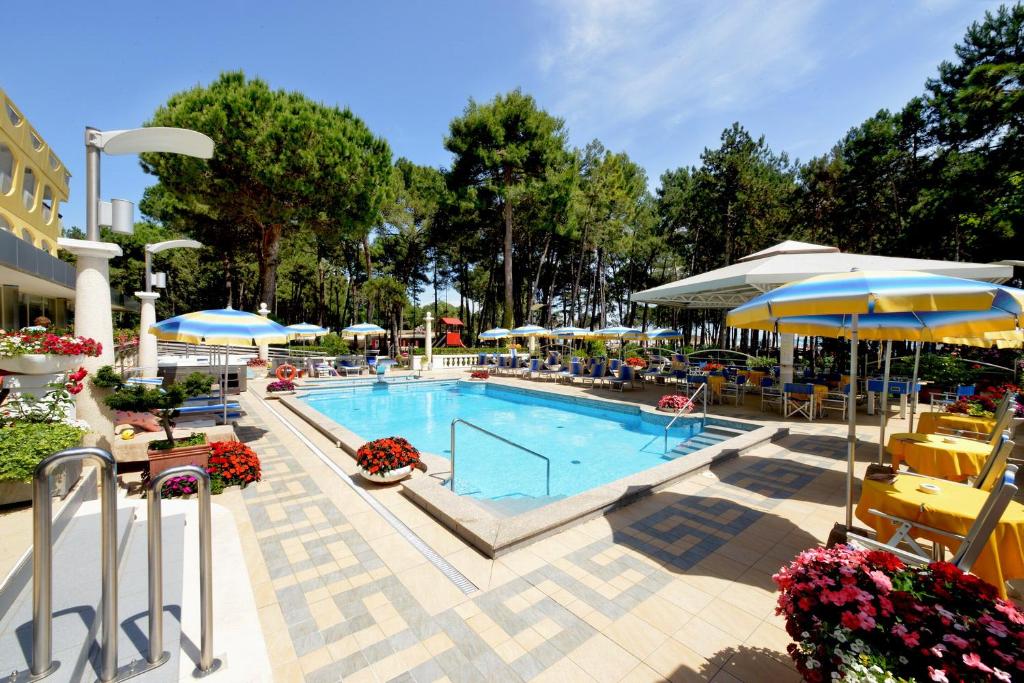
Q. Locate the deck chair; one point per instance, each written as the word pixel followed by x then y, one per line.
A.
pixel 625 376
pixel 532 369
pixel 693 383
pixel 970 545
pixel 836 400
pixel 1004 406
pixel 736 387
pixel 146 381
pixel 1001 425
pixel 614 364
pixel 798 399
pixel 572 373
pixel 940 401
pixel 596 375
pixel 502 365
pixel 771 395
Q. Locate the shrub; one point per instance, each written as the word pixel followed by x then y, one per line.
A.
pixel 281 385
pixel 676 402
pixel 24 444
pixel 383 455
pixel 761 363
pixel 480 374
pixel 107 378
pixel 233 463
pixel 864 615
pixel 256 363
pixel 161 402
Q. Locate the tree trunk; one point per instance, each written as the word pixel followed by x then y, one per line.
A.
pixel 270 253
pixel 536 280
pixel 228 280
pixel 506 211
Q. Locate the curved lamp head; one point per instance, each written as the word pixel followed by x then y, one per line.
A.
pixel 157 139
pixel 173 244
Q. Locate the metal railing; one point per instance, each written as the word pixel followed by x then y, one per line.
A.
pixel 680 413
pixel 547 461
pixel 156 655
pixel 42 562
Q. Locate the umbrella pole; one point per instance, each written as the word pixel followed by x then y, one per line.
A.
pixel 913 384
pixel 851 408
pixel 885 403
pixel 224 391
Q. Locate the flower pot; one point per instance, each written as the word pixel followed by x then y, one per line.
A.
pixel 39 363
pixel 387 477
pixel 161 460
pixel 278 394
pixel 62 480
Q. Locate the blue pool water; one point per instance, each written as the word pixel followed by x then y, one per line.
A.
pixel 588 443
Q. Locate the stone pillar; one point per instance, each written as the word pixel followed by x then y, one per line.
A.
pixel 786 343
pixel 147 342
pixel 428 343
pixel 264 349
pixel 93 319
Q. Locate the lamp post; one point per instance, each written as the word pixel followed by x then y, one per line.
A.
pixel 147 312
pixel 92 283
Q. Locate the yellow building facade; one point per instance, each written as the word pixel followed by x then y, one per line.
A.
pixel 33 181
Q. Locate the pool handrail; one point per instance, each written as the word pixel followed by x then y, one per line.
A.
pixel 499 437
pixel 679 413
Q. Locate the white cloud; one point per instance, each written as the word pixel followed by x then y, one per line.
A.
pixel 659 62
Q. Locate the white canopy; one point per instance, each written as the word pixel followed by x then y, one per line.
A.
pixel 791 261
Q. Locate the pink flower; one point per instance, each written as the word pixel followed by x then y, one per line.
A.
pixel 938 649
pixel 955 640
pixel 849 620
pixel 973 660
pixel 937 675
pixel 882 582
pixel 1001 675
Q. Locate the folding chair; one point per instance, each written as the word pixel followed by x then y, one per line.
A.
pixel 737 388
pixel 836 400
pixel 771 395
pixel 798 399
pixel 970 544
pixel 940 401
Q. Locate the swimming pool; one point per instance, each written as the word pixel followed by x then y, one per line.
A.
pixel 588 442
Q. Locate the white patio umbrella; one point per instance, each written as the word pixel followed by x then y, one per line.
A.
pixel 365 330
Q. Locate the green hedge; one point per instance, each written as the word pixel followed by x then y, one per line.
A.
pixel 24 444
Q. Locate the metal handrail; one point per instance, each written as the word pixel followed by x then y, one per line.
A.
pixel 547 461
pixel 156 655
pixel 42 562
pixel 680 413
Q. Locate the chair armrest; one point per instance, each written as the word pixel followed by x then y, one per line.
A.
pixel 916 525
pixel 962 433
pixel 856 540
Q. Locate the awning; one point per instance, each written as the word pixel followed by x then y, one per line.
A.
pixel 452 321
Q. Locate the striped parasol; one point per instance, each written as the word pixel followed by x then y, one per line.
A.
pixel 528 331
pixel 494 333
pixel 306 330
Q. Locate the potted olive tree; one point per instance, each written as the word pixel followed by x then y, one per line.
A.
pixel 164 404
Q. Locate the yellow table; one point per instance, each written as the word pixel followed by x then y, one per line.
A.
pixel 754 377
pixel 953 509
pixel 928 423
pixel 715 384
pixel 930 454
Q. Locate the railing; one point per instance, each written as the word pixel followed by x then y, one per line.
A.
pixel 453 360
pixel 156 655
pixel 547 461
pixel 42 562
pixel 680 413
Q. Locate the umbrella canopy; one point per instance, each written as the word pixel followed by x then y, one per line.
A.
pixel 364 329
pixel 494 333
pixel 221 326
pixel 618 331
pixel 570 332
pixel 528 331
pixel 664 334
pixel 926 327
pixel 873 294
pixel 306 330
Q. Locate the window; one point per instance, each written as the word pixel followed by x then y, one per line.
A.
pixel 67 179
pixel 37 143
pixel 28 189
pixel 26 235
pixel 6 169
pixel 4 225
pixel 54 161
pixel 14 116
pixel 46 246
pixel 47 204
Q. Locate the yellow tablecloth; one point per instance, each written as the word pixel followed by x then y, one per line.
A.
pixel 953 509
pixel 754 377
pixel 715 384
pixel 928 423
pixel 930 454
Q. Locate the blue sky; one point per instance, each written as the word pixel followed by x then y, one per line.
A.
pixel 658 79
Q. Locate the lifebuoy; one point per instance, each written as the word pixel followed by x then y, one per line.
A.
pixel 286 372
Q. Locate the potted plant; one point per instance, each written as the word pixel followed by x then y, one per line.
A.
pixel 255 367
pixel 22 446
pixel 387 460
pixel 864 615
pixel 31 352
pixel 675 403
pixel 636 362
pixel 281 386
pixel 232 463
pixel 190 450
pixel 479 375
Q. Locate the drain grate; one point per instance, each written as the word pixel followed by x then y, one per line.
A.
pixel 453 574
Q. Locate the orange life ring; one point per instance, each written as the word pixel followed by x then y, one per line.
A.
pixel 286 372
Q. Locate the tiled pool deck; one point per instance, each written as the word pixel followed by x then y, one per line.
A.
pixel 674 587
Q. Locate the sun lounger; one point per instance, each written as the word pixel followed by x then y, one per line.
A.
pixel 596 375
pixel 625 377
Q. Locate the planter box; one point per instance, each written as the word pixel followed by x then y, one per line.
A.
pixel 182 455
pixel 387 477
pixel 62 481
pixel 39 363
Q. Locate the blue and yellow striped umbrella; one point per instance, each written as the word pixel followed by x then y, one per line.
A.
pixel 863 292
pixel 221 326
pixel 528 331
pixel 494 333
pixel 920 327
pixel 570 332
pixel 306 330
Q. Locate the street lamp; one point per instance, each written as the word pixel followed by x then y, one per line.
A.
pixel 92 282
pixel 147 313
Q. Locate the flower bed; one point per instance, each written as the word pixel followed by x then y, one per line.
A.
pixel 676 402
pixel 984 404
pixel 281 385
pixel 864 615
pixel 231 463
pixel 384 455
pixel 479 374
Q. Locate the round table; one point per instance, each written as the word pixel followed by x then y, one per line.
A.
pixel 933 455
pixel 929 423
pixel 953 509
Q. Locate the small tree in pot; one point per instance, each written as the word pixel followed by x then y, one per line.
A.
pixel 163 403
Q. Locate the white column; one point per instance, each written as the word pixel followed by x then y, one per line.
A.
pixel 147 342
pixel 93 319
pixel 264 349
pixel 786 343
pixel 428 344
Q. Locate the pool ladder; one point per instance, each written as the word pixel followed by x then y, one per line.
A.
pixel 703 388
pixel 547 461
